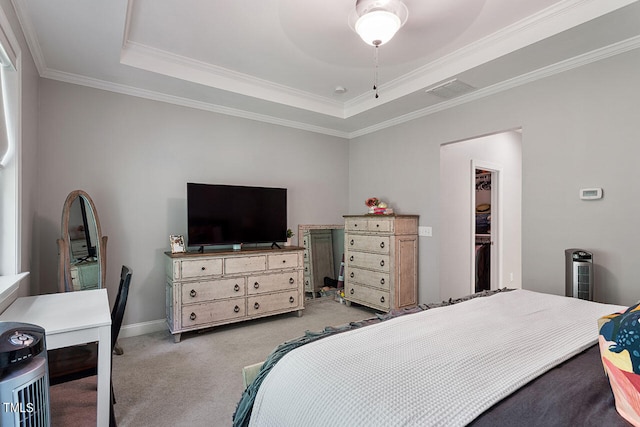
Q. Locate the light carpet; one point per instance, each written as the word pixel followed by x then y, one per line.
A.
pixel 196 382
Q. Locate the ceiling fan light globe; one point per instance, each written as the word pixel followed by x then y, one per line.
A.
pixel 377 27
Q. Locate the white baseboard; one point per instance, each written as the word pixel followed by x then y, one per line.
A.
pixel 137 329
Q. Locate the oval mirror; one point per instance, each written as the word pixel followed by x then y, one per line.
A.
pixel 82 247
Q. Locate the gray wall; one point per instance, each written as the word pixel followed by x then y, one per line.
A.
pixel 580 129
pixel 134 158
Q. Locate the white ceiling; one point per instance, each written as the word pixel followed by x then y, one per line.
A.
pixel 279 61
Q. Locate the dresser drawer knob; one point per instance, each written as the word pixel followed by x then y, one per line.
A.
pixel 193 293
pixel 306 283
pixel 351 258
pixel 351 242
pixel 382 244
pixel 193 316
pixel 351 291
pixel 382 263
pixel 204 268
pixel 256 285
pixel 236 287
pixel 355 225
pixel 305 254
pixel 382 300
pixel 382 281
pixel 236 309
pixel 377 225
pixel 291 281
pixel 306 269
pixel 256 306
pixel 351 275
pixel 284 261
pixel 292 300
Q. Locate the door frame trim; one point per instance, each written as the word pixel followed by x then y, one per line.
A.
pixel 496 219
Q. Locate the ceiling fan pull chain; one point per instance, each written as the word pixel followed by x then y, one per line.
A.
pixel 375 73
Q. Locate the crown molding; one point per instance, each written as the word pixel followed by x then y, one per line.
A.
pixel 566 65
pixel 423 77
pixel 22 13
pixel 169 64
pixel 166 63
pixel 548 71
pixel 185 102
pixel 546 23
pixel 31 38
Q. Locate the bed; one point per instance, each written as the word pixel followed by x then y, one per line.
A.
pixel 497 358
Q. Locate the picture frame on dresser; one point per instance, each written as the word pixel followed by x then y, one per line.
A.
pixel 177 244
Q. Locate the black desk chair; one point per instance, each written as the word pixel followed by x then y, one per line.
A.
pixel 81 361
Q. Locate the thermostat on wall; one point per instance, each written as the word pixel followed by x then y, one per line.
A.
pixel 590 193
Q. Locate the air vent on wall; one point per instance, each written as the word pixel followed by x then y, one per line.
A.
pixel 450 89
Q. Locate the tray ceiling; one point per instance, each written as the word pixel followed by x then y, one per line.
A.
pixel 280 61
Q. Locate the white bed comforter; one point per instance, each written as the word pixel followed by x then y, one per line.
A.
pixel 439 367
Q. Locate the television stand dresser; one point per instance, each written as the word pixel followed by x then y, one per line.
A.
pixel 381 261
pixel 226 286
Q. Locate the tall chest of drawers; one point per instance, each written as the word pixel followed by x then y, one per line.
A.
pixel 220 287
pixel 381 260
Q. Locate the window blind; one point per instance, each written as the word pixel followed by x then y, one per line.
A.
pixel 7 62
pixel 4 136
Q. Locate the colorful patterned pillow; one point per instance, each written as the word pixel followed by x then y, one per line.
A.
pixel 619 342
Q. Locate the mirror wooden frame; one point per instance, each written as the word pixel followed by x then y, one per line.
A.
pixel 306 227
pixel 64 244
pixel 303 227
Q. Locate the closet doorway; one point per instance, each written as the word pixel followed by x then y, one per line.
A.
pixel 485 218
pixel 501 154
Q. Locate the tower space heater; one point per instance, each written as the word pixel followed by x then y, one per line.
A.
pixel 24 376
pixel 579 274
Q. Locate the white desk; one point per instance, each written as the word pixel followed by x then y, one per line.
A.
pixel 68 319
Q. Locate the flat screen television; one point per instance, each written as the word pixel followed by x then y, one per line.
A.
pixel 231 214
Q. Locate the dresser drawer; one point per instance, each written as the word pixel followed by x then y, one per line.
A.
pixel 367 296
pixel 280 261
pixel 79 248
pixel 378 244
pixel 215 289
pixel 217 311
pixel 307 283
pixel 355 224
pixel 77 286
pixel 245 264
pixel 169 304
pixel 380 225
pixel 370 278
pixel 369 225
pixel 378 262
pixel 273 302
pixel 201 267
pixel 272 282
